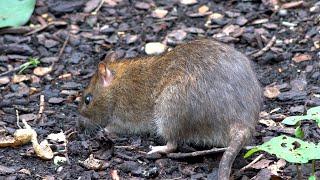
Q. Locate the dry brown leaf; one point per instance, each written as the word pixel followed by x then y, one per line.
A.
pixel 271 92
pixel 276 167
pixel 92 163
pixel 22 136
pixel 43 149
pixel 263 163
pixel 6 141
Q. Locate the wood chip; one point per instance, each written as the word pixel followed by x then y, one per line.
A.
pixel 20 78
pixel 293 4
pixel 41 71
pixel 56 100
pixel 260 21
pixel 188 2
pixel 4 80
pixel 159 13
pixel 263 163
pixel 271 92
pixel 28 117
pixel 301 57
pixel 203 9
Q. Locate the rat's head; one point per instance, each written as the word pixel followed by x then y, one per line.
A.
pixel 97 100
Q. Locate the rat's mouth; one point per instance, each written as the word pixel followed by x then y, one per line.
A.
pixel 88 125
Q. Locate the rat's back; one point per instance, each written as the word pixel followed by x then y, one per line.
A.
pixel 216 94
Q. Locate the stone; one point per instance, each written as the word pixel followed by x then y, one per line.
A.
pixel 153 48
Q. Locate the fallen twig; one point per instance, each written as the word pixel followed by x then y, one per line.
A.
pixel 63 46
pixel 18 118
pixel 55 23
pixel 10 71
pixel 196 153
pixel 16 30
pixel 98 8
pixel 266 48
pixel 251 163
pixel 41 108
pixel 126 147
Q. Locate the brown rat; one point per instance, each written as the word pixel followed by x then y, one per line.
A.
pixel 201 92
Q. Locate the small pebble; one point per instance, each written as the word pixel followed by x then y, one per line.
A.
pixel 283 12
pixel 154 48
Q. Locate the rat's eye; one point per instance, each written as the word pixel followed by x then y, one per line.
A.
pixel 88 99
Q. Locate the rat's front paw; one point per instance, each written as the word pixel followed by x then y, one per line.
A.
pixel 170 147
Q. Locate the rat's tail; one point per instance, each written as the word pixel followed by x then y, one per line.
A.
pixel 237 142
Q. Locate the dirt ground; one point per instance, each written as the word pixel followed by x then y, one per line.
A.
pixel 283 41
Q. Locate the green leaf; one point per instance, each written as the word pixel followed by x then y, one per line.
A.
pixel 15 12
pixel 314 111
pixel 33 62
pixel 298 132
pixel 250 152
pixel 291 149
pixel 293 120
pixel 312 177
pixel 318 121
pixel 315 114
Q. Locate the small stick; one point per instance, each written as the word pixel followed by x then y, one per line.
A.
pixel 98 8
pixel 41 21
pixel 10 71
pixel 266 48
pixel 44 27
pixel 196 153
pixel 18 119
pixel 63 46
pixel 41 108
pixel 125 147
pixel 16 30
pixel 251 163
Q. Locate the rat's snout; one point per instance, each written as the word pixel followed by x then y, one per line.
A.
pixel 82 110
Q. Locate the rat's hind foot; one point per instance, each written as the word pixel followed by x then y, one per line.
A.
pixel 170 147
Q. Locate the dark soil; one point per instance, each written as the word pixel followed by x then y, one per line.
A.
pixel 291 66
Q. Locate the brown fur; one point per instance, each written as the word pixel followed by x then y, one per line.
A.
pixel 201 92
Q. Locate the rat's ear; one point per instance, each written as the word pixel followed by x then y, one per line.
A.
pixel 105 74
pixel 110 57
